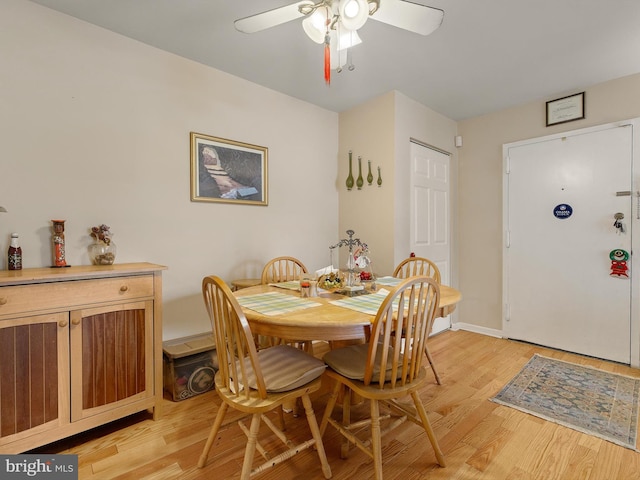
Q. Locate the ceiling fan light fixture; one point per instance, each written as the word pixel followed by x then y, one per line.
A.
pixel 353 13
pixel 348 39
pixel 307 8
pixel 374 5
pixel 351 9
pixel 334 23
pixel 315 25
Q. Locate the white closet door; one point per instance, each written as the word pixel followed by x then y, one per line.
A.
pixel 430 228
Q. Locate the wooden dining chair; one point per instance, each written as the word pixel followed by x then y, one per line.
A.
pixel 412 266
pixel 256 382
pixel 385 369
pixel 420 266
pixel 282 269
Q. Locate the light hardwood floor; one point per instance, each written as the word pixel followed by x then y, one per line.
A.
pixel 480 439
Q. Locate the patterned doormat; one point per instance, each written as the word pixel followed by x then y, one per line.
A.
pixel 591 401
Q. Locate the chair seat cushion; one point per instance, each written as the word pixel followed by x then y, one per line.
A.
pixel 286 368
pixel 351 361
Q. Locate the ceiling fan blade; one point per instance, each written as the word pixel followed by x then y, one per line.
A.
pixel 409 16
pixel 270 18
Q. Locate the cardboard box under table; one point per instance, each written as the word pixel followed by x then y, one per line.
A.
pixel 190 364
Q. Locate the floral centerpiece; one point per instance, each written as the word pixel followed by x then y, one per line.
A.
pixel 103 250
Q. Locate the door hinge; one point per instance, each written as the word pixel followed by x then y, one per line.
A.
pixel 507 239
pixel 508 165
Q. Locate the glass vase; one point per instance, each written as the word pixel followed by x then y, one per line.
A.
pixel 360 180
pixel 350 177
pixel 102 253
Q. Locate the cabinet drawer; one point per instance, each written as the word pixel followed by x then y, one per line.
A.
pixel 21 299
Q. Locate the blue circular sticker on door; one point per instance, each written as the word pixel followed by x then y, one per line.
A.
pixel 562 211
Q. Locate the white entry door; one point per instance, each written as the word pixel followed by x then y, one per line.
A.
pixel 561 287
pixel 430 212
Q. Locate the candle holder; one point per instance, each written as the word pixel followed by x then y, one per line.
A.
pixel 357 259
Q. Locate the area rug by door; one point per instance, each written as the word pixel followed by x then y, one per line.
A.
pixel 591 401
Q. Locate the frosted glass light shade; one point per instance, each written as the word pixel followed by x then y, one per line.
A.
pixel 353 13
pixel 315 25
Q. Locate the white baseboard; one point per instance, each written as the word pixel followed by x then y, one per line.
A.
pixel 491 332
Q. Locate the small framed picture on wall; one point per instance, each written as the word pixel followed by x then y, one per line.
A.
pixel 565 109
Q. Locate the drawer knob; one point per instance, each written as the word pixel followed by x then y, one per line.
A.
pixel 3 300
pixel 62 323
pixel 124 288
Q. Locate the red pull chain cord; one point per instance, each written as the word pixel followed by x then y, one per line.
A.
pixel 327 61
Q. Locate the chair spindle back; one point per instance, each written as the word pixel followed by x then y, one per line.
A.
pixel 282 269
pixel 400 331
pixel 234 340
pixel 412 266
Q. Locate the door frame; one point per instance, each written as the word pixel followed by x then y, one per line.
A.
pixel 633 225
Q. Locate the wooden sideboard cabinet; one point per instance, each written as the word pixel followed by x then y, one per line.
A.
pixel 79 347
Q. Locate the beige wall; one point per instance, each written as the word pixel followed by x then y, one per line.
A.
pixel 95 129
pixel 367 130
pixel 480 186
pixel 380 130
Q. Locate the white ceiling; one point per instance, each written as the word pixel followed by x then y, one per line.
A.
pixel 487 55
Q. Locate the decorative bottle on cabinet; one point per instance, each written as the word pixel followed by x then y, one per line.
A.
pixel 15 254
pixel 350 177
pixel 360 180
pixel 370 175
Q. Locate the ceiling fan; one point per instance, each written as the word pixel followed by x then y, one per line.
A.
pixel 334 23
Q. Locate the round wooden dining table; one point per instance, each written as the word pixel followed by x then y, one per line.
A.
pixel 325 321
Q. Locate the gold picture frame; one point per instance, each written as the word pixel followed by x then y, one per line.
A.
pixel 228 171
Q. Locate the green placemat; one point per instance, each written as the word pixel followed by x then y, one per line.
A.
pixel 274 303
pixel 389 281
pixel 364 303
